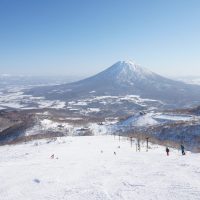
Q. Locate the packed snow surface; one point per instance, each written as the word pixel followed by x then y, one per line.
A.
pixel 173 117
pixel 141 120
pixel 86 168
pixel 153 118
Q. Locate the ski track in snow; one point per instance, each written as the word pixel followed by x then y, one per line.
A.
pixel 83 172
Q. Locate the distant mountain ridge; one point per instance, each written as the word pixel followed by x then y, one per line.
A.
pixel 125 78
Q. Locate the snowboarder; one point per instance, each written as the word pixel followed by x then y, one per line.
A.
pixel 167 151
pixel 182 149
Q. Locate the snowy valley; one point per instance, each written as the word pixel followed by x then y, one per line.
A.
pixel 124 99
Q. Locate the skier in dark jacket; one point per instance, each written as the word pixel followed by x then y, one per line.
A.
pixel 182 149
pixel 167 151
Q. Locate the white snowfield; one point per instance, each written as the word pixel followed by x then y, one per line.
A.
pixel 86 168
pixel 15 98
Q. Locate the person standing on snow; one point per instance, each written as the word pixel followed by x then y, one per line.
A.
pixel 167 151
pixel 182 149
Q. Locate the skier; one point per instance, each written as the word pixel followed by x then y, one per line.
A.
pixel 182 149
pixel 52 156
pixel 167 151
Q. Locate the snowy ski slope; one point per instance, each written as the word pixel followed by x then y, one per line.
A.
pixel 86 168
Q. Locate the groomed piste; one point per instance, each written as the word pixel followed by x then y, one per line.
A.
pixel 96 168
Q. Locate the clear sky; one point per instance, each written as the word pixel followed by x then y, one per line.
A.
pixel 82 37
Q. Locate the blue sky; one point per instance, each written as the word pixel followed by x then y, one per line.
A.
pixel 82 37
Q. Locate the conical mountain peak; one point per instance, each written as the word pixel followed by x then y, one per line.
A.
pixel 126 64
pixel 126 71
pixel 124 78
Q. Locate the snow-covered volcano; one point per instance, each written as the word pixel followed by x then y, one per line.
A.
pixel 125 78
pixel 125 72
